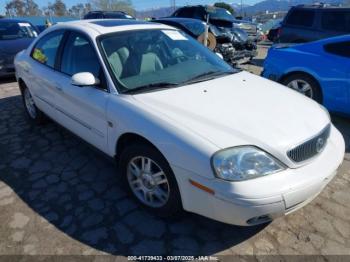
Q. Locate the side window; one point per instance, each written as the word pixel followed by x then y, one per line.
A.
pixel 341 49
pixel 79 56
pixel 301 17
pixel 186 12
pixel 46 49
pixel 198 14
pixel 336 21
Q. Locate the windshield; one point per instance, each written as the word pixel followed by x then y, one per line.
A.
pixel 165 57
pixel 15 30
pixel 219 13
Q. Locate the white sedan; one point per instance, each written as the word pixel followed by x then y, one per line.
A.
pixel 188 131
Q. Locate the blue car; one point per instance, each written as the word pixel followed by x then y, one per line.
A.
pixel 319 70
pixel 15 35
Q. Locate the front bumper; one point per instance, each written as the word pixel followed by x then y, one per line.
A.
pixel 260 200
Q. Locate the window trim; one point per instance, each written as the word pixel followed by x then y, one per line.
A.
pixel 62 48
pixel 58 48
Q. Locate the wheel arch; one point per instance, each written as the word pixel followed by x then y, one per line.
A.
pixel 131 138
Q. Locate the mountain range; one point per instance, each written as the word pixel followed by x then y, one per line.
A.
pixel 266 5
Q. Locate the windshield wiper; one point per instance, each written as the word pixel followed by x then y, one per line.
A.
pixel 207 76
pixel 151 87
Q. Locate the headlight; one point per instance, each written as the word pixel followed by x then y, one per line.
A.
pixel 243 163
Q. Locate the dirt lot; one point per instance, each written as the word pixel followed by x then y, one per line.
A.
pixel 58 196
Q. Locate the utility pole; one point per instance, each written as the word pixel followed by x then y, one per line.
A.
pixel 27 8
pixel 173 4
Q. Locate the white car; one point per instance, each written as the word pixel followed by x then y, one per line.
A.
pixel 189 132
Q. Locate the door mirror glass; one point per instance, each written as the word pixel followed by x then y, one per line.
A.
pixel 84 79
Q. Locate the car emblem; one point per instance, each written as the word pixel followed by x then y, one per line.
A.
pixel 319 144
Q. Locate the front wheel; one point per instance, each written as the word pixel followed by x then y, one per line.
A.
pixel 305 85
pixel 150 179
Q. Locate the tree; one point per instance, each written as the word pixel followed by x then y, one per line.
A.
pixel 15 8
pixel 79 10
pixel 59 8
pixel 225 6
pixel 22 8
pixel 32 9
pixel 114 5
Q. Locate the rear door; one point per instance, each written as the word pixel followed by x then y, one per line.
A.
pixel 338 71
pixel 43 80
pixel 82 109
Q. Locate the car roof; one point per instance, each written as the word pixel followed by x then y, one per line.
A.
pixel 100 11
pixel 95 27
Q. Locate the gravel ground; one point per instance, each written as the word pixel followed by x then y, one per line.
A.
pixel 59 196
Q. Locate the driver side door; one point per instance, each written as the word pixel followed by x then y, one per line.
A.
pixel 82 109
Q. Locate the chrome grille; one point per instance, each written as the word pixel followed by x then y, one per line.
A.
pixel 310 148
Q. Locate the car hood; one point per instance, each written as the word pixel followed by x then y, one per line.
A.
pixel 241 109
pixel 12 47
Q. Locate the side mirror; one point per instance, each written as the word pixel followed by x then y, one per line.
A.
pixel 84 79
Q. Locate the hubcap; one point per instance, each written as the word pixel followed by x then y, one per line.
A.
pixel 29 102
pixel 148 181
pixel 302 87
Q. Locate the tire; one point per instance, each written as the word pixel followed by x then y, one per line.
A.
pixel 33 113
pixel 132 156
pixel 314 91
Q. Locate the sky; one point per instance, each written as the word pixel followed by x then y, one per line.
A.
pixel 138 4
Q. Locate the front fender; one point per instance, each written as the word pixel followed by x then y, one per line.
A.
pixel 180 146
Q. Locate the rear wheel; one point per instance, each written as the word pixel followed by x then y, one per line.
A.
pixel 150 179
pixel 31 109
pixel 305 85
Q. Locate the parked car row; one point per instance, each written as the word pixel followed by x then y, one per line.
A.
pixel 187 130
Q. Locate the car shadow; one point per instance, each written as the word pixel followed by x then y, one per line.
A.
pixel 7 79
pixel 257 62
pixel 77 190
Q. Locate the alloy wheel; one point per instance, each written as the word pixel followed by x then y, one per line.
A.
pixel 148 181
pixel 29 102
pixel 302 87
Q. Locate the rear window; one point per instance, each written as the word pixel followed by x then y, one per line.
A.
pixel 336 21
pixel 185 12
pixel 118 16
pixel 341 49
pixel 301 17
